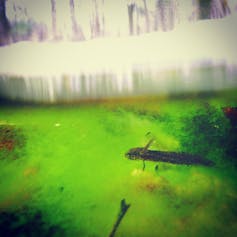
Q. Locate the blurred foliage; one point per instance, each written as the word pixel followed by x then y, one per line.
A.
pixel 204 9
pixel 28 30
pixel 21 30
pixel 12 141
pixel 206 132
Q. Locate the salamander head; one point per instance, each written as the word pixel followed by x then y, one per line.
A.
pixel 135 153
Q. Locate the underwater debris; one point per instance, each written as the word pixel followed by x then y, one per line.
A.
pixel 11 140
pixel 30 171
pixel 231 114
pixel 231 138
pixel 153 184
pixel 123 209
pixel 147 183
pixel 142 153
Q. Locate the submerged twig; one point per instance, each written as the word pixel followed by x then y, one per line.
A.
pixel 123 209
pixel 144 165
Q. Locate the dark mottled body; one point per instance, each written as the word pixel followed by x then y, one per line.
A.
pixel 140 153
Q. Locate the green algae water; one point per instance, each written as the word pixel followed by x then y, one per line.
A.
pixel 69 176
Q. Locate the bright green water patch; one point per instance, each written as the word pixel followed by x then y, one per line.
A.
pixel 72 175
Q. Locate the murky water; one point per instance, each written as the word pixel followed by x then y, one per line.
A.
pixel 71 175
pixel 63 164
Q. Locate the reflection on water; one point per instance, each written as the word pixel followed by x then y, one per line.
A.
pixel 193 57
pixel 138 83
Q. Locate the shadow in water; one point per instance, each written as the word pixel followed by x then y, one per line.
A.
pixel 27 222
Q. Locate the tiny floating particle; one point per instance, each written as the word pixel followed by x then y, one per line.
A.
pixel 136 172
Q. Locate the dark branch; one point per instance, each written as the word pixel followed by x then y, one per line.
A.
pixel 123 209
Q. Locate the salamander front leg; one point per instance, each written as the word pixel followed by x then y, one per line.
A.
pixel 144 165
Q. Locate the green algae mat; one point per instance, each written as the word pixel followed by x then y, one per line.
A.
pixel 63 170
